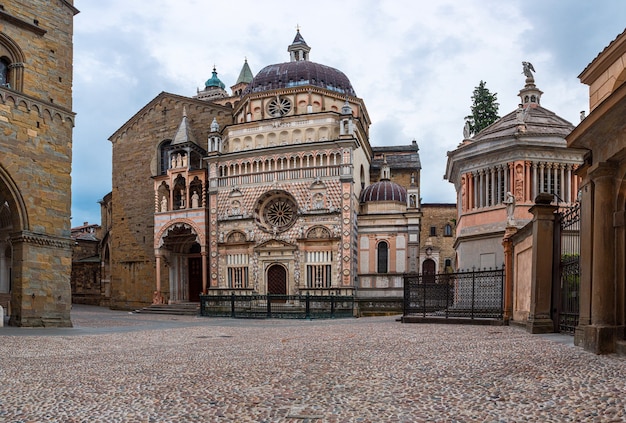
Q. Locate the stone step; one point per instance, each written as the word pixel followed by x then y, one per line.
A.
pixel 184 309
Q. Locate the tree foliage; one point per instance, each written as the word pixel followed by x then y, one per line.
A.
pixel 484 109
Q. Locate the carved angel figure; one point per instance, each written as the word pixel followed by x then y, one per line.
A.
pixel 528 69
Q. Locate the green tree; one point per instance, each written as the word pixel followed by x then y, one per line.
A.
pixel 484 109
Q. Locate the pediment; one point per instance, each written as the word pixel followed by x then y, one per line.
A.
pixel 275 245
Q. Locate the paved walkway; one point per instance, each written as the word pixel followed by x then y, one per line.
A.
pixel 120 367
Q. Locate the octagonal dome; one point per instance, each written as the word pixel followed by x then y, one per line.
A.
pixel 298 73
pixel 383 190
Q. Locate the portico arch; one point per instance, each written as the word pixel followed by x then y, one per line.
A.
pixel 180 246
pixel 13 219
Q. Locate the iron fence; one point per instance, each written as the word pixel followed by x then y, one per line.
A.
pixel 567 251
pixel 475 294
pixel 277 306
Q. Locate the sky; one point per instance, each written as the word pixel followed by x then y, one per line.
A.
pixel 415 63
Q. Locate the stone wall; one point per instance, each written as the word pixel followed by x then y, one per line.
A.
pixel 36 124
pixel 439 215
pixel 135 160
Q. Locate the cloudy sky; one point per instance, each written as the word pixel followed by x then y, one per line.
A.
pixel 414 62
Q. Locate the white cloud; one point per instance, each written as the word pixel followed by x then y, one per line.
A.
pixel 415 63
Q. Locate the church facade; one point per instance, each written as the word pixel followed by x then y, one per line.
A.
pixel 272 189
pixel 36 122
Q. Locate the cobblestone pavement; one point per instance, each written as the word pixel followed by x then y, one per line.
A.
pixel 120 367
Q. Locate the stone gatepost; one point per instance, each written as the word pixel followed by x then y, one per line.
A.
pixel 540 318
pixel 507 244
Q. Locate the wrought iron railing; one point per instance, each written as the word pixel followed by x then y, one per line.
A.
pixel 475 294
pixel 277 306
pixel 567 248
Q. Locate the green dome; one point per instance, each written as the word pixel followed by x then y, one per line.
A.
pixel 214 81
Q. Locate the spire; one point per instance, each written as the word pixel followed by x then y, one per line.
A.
pixel 385 171
pixel 346 109
pixel 184 133
pixel 215 127
pixel 245 76
pixel 298 50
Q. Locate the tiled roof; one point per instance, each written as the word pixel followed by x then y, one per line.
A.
pixel 302 72
pixel 384 190
pixel 538 122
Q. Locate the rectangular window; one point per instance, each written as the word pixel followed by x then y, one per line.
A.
pixel 237 265
pixel 319 269
pixel 237 277
pixel 433 231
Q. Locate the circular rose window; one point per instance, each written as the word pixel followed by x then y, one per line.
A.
pixel 279 106
pixel 276 211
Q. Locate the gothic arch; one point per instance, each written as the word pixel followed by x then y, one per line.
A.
pixel 13 56
pixel 12 198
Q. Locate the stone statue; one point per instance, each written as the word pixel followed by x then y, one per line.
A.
pixel 528 69
pixel 195 199
pixel 184 160
pixel 466 130
pixel 221 238
pixel 163 204
pixel 510 208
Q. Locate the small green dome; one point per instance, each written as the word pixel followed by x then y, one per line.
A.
pixel 214 81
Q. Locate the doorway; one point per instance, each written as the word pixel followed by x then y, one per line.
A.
pixel 276 280
pixel 195 278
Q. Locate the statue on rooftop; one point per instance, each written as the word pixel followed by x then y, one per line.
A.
pixel 528 70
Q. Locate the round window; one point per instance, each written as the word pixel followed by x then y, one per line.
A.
pixel 279 106
pixel 277 212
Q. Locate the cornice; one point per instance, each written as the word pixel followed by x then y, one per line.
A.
pixel 148 108
pixel 30 103
pixel 27 237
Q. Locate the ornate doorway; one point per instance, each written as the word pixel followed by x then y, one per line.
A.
pixel 195 278
pixel 276 280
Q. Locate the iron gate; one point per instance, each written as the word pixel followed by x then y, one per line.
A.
pixel 566 289
pixel 474 294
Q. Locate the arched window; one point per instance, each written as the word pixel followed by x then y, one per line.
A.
pixel 11 64
pixel 383 257
pixel 4 73
pixel 447 230
pixel 163 157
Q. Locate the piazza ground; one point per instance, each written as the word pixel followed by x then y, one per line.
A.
pixel 115 366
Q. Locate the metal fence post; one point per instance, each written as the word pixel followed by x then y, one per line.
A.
pixel 307 312
pixel 232 305
pixel 423 296
pixel 473 288
pixel 332 306
pixel 269 306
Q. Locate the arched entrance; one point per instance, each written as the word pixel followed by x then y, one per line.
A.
pixel 429 268
pixel 183 254
pixel 276 280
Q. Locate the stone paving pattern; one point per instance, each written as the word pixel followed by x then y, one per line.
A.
pixel 120 367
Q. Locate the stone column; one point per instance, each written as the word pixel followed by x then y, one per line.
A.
pixel 204 270
pixel 540 318
pixel 600 336
pixel 534 182
pixel 157 298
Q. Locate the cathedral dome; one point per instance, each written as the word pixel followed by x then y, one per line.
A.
pixel 300 71
pixel 383 190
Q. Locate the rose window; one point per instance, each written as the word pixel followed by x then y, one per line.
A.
pixel 279 107
pixel 276 211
